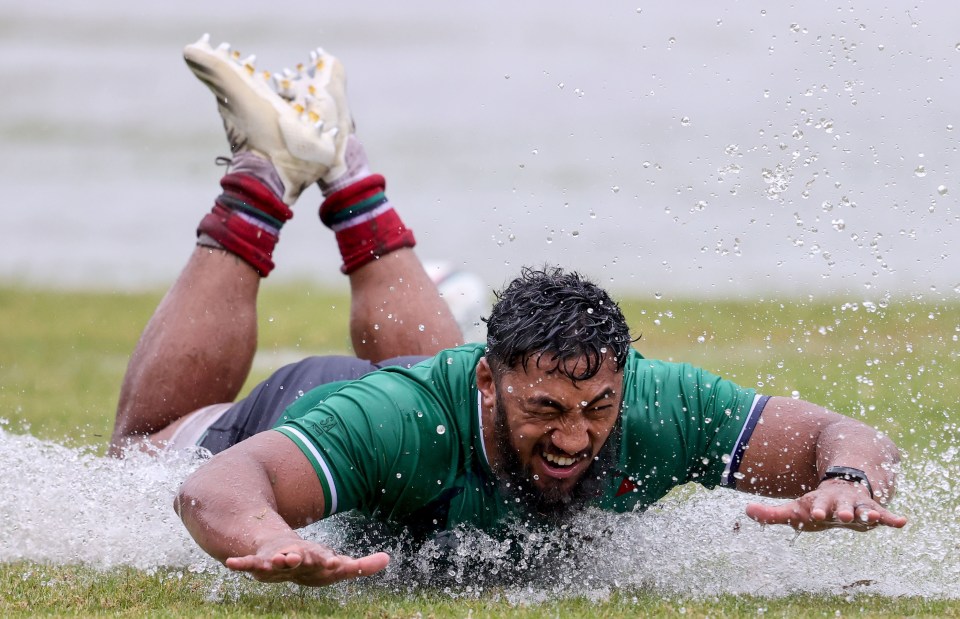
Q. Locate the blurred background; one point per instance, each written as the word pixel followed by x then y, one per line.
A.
pixel 697 149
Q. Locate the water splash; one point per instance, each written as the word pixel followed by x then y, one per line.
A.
pixel 67 506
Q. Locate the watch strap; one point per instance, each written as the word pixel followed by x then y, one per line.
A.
pixel 848 473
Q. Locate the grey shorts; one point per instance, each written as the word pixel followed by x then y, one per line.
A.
pixel 260 410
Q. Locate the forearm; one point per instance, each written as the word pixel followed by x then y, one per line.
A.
pixel 229 508
pixel 850 443
pixel 796 441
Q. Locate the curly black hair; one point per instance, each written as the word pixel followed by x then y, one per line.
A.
pixel 556 315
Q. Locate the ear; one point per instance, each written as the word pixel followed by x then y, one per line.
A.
pixel 485 384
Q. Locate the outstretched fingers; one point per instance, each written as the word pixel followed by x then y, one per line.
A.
pixel 824 514
pixel 307 566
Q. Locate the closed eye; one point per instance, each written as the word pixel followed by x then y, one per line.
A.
pixel 599 412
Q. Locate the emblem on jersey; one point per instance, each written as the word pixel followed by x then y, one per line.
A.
pixel 627 485
pixel 323 426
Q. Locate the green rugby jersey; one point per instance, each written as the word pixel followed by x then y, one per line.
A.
pixel 405 445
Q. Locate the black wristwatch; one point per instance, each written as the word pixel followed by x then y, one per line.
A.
pixel 848 473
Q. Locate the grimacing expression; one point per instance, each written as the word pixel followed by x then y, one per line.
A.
pixel 552 428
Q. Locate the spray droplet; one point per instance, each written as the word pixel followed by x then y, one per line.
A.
pixel 921 171
pixel 942 190
pixel 441 429
pixel 421 327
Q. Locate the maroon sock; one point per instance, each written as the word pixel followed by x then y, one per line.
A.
pixel 246 220
pixel 366 224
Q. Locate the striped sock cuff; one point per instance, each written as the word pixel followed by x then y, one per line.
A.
pixel 354 201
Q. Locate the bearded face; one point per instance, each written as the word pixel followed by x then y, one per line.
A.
pixel 551 437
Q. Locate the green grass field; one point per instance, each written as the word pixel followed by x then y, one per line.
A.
pixel 62 355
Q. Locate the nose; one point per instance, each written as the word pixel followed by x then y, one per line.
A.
pixel 571 436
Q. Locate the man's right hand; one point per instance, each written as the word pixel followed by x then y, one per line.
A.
pixel 305 563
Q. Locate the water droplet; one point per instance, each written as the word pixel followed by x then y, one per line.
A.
pixel 421 327
pixel 419 413
pixel 376 326
pixel 440 430
pixel 685 121
pixel 449 360
pixel 795 394
pixel 657 295
pixel 920 171
pixel 615 189
pixel 794 27
pixel 942 190
pixel 399 475
pixel 510 389
pixel 701 339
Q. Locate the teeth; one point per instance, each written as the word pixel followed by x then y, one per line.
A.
pixel 313 56
pixel 224 47
pixel 287 73
pixel 559 460
pixel 205 38
pixel 318 125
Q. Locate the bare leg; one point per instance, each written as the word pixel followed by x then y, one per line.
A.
pixel 396 310
pixel 196 349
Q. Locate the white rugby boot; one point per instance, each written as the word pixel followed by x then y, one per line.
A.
pixel 299 119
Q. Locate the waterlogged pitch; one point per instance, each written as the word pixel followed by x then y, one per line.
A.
pixel 69 510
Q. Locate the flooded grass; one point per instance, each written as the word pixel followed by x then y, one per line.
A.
pixel 85 547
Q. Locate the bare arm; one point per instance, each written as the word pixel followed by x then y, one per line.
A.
pixel 789 453
pixel 243 505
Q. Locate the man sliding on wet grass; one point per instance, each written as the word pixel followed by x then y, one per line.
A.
pixel 554 413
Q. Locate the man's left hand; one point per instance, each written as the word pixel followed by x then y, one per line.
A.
pixel 835 503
